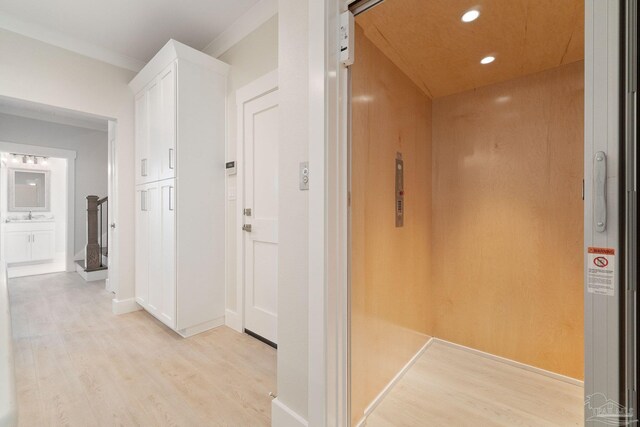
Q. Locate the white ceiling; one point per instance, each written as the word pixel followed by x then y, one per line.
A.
pixel 136 29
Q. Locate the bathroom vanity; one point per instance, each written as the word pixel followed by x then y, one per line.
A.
pixel 29 240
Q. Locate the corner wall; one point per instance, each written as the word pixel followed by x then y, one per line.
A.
pixel 391 302
pixel 251 58
pixel 508 219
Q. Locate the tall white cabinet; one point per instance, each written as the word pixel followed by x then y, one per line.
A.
pixel 179 155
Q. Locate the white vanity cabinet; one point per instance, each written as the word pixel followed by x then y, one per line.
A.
pixel 180 137
pixel 29 241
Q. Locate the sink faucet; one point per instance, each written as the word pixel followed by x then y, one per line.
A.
pixel 30 216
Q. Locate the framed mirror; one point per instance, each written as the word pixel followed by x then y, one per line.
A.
pixel 28 190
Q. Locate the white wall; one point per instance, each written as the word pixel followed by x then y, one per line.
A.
pixel 91 161
pixel 252 57
pixel 38 72
pixel 293 60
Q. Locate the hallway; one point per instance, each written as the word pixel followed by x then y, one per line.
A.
pixel 79 365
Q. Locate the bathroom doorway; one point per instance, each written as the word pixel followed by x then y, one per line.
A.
pixel 34 211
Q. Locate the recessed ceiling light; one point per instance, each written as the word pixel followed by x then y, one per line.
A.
pixel 487 60
pixel 470 15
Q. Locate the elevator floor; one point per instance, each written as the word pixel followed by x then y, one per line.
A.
pixel 449 386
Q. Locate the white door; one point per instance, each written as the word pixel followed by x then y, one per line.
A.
pixel 166 145
pixel 142 136
pixel 168 252
pixel 17 246
pixel 151 166
pixel 154 304
pixel 42 245
pixel 260 143
pixel 142 246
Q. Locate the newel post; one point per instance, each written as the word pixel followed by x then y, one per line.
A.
pixel 92 251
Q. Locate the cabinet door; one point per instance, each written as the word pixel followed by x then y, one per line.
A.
pixel 42 245
pixel 154 105
pixel 168 244
pixel 142 246
pixel 166 148
pixel 17 246
pixel 142 136
pixel 155 251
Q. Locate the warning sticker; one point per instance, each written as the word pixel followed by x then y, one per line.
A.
pixel 601 266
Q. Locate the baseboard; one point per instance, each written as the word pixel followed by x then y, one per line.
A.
pixel 520 365
pixel 124 306
pixel 283 416
pixel 233 320
pixel 380 397
pixel 194 330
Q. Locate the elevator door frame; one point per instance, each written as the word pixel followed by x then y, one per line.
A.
pixel 605 317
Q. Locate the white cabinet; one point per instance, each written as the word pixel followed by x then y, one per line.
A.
pixel 180 137
pixel 155 124
pixel 17 246
pixel 29 241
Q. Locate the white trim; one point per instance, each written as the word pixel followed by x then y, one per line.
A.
pixel 55 38
pixel 259 87
pixel 91 276
pixel 283 416
pixel 328 388
pixel 112 283
pixel 70 156
pixel 380 397
pixel 242 27
pixel 194 330
pixel 124 306
pixel 233 320
pixel 52 117
pixel 172 51
pixel 514 363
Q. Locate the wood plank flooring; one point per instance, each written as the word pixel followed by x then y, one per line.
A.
pixel 79 365
pixel 448 386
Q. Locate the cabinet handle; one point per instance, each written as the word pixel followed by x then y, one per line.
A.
pixel 170 198
pixel 33 238
pixel 170 158
pixel 143 167
pixel 143 200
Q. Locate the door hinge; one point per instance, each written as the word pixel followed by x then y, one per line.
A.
pixel 246 227
pixel 347 38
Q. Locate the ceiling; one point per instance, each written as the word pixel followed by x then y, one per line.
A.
pixel 136 29
pixel 428 41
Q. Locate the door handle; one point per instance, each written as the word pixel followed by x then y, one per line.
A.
pixel 600 188
pixel 247 228
pixel 170 158
pixel 170 198
pixel 143 167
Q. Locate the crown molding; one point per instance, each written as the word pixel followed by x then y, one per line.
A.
pixel 38 32
pixel 260 13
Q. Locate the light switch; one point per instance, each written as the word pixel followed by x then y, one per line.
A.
pixel 304 175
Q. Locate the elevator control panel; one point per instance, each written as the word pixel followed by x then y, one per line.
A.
pixel 399 205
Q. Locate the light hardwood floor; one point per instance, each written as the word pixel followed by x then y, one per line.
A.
pixel 452 387
pixel 79 365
